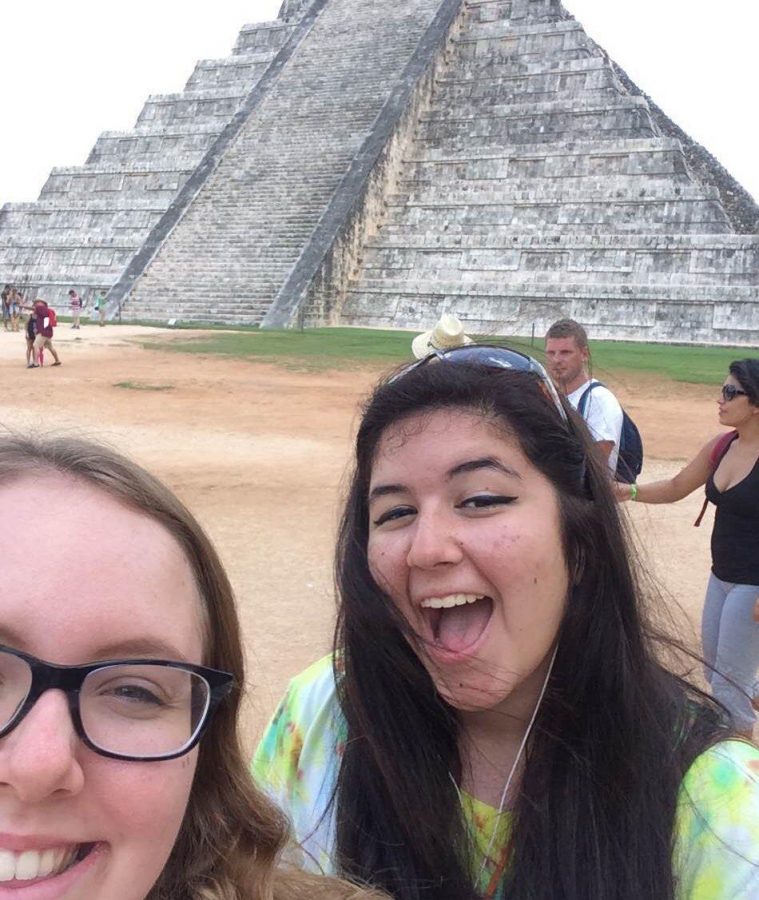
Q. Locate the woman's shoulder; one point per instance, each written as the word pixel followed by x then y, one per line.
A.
pixel 718 823
pixel 306 722
pixel 314 686
pixel 733 764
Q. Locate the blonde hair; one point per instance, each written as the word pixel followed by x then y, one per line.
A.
pixel 232 835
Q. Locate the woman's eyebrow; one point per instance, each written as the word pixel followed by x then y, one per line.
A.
pixel 382 490
pixel 486 462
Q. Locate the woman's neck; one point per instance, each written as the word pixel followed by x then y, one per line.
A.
pixel 490 740
pixel 748 432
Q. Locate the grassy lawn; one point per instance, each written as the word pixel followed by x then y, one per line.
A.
pixel 329 348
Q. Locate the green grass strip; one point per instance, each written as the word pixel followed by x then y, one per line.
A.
pixel 324 348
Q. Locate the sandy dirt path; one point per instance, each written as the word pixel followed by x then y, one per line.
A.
pixel 260 454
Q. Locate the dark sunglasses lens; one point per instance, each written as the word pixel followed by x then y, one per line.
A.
pixel 495 357
pixel 730 392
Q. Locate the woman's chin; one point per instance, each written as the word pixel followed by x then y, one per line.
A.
pixel 474 695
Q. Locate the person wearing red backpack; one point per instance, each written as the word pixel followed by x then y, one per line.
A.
pixel 728 466
pixel 44 320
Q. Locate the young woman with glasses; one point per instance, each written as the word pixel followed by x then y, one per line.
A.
pixel 121 670
pixel 729 467
pixel 495 720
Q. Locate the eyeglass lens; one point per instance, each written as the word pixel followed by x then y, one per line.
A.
pixel 135 710
pixel 730 392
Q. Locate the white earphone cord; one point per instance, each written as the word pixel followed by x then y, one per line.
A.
pixel 506 786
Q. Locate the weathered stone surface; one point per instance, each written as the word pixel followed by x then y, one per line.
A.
pixel 248 225
pixel 90 220
pixel 540 184
pixel 378 163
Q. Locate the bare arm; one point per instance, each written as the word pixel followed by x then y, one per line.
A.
pixel 603 449
pixel 670 490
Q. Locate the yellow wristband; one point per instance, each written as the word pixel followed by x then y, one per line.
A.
pixel 633 491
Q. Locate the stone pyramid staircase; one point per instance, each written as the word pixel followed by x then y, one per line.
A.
pixel 538 185
pixel 90 220
pixel 232 250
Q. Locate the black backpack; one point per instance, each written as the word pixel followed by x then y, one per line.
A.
pixel 630 459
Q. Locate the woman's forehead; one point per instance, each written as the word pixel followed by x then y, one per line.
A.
pixel 441 436
pixel 90 567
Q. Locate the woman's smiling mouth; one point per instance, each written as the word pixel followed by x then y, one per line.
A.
pixel 456 622
pixel 33 865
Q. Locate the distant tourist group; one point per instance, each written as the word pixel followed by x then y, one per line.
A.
pixel 42 320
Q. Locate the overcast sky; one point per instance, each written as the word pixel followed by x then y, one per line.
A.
pixel 74 68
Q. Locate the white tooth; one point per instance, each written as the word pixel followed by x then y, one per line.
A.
pixel 7 865
pixel 47 862
pixel 28 865
pixel 64 858
pixel 450 601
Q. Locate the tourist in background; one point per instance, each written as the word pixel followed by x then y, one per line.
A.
pixel 495 720
pixel 16 302
pixel 729 467
pixel 44 325
pixel 5 302
pixel 76 304
pixel 30 333
pixel 567 360
pixel 100 305
pixel 105 793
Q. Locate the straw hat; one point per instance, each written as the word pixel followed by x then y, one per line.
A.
pixel 448 333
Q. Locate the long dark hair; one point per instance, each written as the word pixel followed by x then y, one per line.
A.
pixel 746 373
pixel 614 734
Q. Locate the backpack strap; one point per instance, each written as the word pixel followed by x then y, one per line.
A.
pixel 715 458
pixel 584 397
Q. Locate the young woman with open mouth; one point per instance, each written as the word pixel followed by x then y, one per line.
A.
pixel 114 663
pixel 495 721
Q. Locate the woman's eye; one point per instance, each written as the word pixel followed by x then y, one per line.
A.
pixel 394 514
pixel 137 694
pixel 485 501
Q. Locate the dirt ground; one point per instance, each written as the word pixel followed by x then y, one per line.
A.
pixel 260 454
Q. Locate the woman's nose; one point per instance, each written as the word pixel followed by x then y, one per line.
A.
pixel 39 758
pixel 433 542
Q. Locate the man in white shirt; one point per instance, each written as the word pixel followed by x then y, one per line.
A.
pixel 567 360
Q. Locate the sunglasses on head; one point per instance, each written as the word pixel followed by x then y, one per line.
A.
pixel 730 392
pixel 494 357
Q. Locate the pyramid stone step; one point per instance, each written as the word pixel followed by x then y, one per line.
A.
pixel 596 265
pixel 244 69
pixel 654 157
pixel 619 119
pixel 262 37
pixel 655 313
pixel 542 190
pixel 488 10
pixel 170 109
pixel 536 87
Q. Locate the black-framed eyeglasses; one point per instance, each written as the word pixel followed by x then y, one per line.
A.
pixel 134 709
pixel 494 357
pixel 730 392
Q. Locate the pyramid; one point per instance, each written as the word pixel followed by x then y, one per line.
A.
pixel 368 162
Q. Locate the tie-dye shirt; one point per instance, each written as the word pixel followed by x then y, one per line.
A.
pixel 717 827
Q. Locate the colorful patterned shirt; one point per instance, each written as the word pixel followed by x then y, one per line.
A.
pixel 716 831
